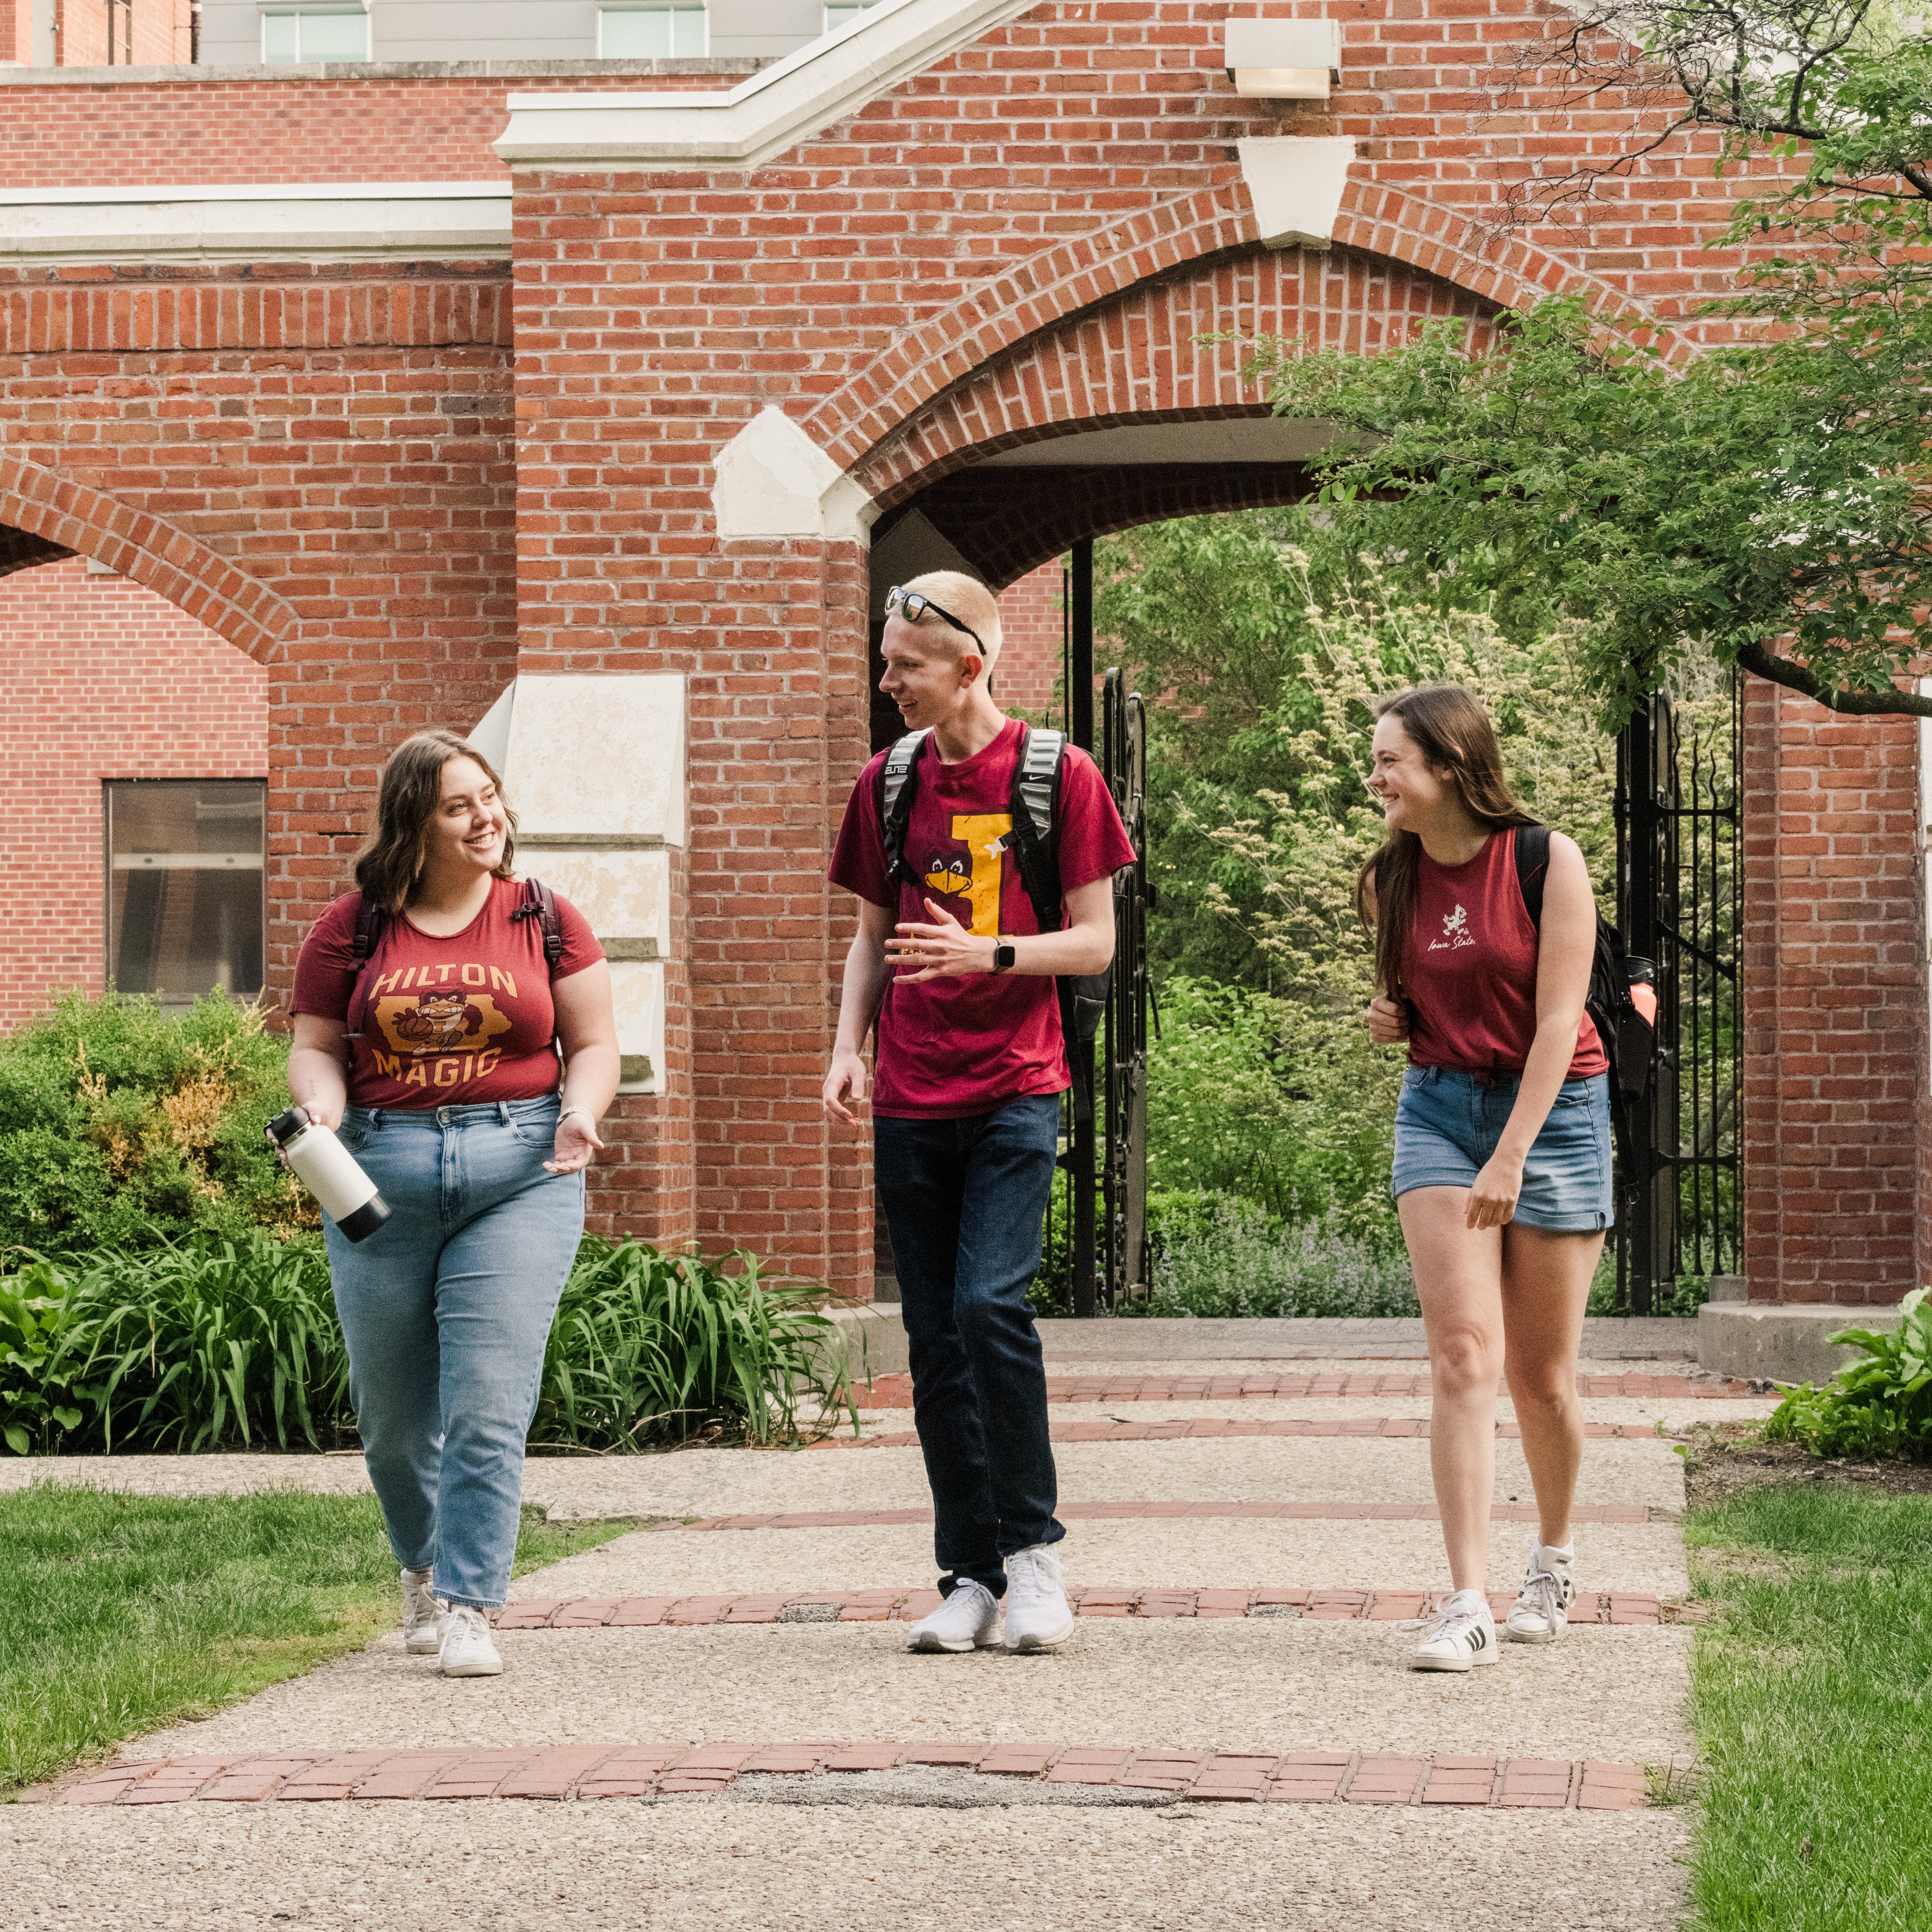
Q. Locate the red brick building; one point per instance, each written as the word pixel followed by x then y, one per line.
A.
pixel 596 409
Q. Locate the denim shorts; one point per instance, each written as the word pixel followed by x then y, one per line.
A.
pixel 1448 1123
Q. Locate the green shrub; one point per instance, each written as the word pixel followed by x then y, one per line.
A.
pixel 206 1344
pixel 648 1348
pixel 1224 1256
pixel 1276 1101
pixel 1881 1406
pixel 123 1127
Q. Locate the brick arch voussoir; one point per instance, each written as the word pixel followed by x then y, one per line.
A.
pixel 949 351
pixel 237 607
pixel 1508 270
pixel 1022 301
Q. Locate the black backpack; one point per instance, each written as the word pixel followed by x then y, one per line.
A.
pixel 373 918
pixel 1035 809
pixel 1630 1040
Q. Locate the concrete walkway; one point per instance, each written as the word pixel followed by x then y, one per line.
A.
pixel 705 1729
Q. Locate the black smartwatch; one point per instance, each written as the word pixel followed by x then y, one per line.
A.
pixel 1002 955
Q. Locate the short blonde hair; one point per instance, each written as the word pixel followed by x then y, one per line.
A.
pixel 972 603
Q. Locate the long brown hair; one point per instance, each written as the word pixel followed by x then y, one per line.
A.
pixel 1453 733
pixel 391 860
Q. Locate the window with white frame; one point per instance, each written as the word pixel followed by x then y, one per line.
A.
pixel 651 33
pixel 843 16
pixel 314 36
pixel 184 908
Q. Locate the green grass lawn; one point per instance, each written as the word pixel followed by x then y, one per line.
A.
pixel 119 1613
pixel 1812 1699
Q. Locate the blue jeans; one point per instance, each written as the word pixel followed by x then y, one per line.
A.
pixel 965 1200
pixel 447 1308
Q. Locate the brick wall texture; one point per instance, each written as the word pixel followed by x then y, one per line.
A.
pixel 1031 623
pixel 105 680
pixel 395 484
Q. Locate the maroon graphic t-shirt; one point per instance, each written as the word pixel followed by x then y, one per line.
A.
pixel 955 1047
pixel 1469 969
pixel 448 1021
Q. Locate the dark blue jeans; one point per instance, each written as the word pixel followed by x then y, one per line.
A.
pixel 965 1200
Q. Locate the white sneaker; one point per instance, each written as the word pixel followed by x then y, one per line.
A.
pixel 1038 1617
pixel 467 1649
pixel 1541 1611
pixel 1463 1635
pixel 969 1619
pixel 423 1613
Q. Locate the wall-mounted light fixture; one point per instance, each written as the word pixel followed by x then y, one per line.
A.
pixel 1284 60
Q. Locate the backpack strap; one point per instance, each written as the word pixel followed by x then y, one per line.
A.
pixel 1532 868
pixel 1036 801
pixel 897 787
pixel 372 923
pixel 539 903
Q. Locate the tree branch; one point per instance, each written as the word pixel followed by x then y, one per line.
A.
pixel 1798 677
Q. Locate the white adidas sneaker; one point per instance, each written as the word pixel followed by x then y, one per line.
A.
pixel 969 1619
pixel 1038 1617
pixel 423 1613
pixel 1462 1636
pixel 468 1650
pixel 1541 1611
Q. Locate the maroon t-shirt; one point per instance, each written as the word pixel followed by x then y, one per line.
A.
pixel 444 1022
pixel 954 1047
pixel 1469 969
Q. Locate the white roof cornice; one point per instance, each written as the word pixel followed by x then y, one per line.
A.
pixel 762 117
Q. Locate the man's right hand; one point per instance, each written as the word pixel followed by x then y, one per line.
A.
pixel 1388 1022
pixel 845 1080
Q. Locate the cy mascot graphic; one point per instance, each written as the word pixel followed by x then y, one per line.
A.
pixel 450 1020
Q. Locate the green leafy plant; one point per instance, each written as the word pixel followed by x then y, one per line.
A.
pixel 1880 1406
pixel 204 1345
pixel 39 1385
pixel 649 1348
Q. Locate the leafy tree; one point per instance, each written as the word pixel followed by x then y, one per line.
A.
pixel 1770 492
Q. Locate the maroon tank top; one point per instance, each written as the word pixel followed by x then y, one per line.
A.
pixel 1469 970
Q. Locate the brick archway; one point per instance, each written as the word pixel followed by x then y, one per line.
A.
pixel 1181 237
pixel 67 516
pixel 1137 357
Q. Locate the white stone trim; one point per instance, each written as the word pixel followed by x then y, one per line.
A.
pixel 773 480
pixel 595 760
pixel 762 118
pixel 1295 182
pixel 307 221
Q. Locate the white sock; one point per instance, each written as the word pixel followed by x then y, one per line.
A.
pixel 1468 1602
pixel 1566 1554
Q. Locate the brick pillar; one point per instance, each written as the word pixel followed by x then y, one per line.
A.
pixel 676 530
pixel 1835 1003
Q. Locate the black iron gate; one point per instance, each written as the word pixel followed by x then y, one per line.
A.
pixel 1106 1154
pixel 1679 905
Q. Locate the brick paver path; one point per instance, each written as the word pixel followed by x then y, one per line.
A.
pixel 1207 1428
pixel 894 1391
pixel 910 1604
pixel 1151 1512
pixel 577 1771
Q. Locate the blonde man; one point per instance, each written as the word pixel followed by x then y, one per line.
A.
pixel 955 964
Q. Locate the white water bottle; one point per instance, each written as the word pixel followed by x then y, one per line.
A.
pixel 330 1172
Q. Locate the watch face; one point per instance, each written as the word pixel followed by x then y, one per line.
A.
pixel 1003 958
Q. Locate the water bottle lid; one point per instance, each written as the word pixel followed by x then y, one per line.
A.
pixel 1639 968
pixel 284 1127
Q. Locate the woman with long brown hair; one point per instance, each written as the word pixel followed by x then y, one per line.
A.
pixel 432 1008
pixel 1502 1148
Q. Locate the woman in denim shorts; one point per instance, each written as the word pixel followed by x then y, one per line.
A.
pixel 1502 1139
pixel 432 1007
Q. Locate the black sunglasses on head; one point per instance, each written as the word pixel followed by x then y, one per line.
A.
pixel 916 604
